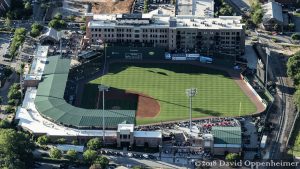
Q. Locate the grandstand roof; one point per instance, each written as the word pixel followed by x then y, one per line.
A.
pixel 51 104
pixel 227 135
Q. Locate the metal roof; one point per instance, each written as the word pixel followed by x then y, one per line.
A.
pixel 227 135
pixel 50 101
pixel 273 10
pixel 52 33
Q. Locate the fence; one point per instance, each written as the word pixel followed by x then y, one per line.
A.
pixel 264 102
pixel 135 53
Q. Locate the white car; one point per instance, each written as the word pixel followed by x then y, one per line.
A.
pixel 129 155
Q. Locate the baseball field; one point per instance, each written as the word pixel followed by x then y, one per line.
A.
pixel 157 92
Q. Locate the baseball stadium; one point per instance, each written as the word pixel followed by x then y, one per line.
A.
pixel 140 92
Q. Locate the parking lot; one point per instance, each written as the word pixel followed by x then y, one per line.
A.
pixel 130 159
pixel 139 5
pixel 5 40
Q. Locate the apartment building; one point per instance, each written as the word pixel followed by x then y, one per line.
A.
pixel 4 6
pixel 182 33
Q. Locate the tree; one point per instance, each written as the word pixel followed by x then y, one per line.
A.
pixel 36 29
pixel 71 155
pixel 94 144
pixel 57 24
pixel 43 140
pixel 146 6
pixel 297 99
pixel 102 161
pixel 55 153
pixel 74 142
pixel 83 28
pixel 232 157
pixel 19 37
pixel 36 26
pixel 27 6
pixel 7 22
pixel 293 66
pixel 54 23
pixel 15 149
pixel 4 124
pixel 295 36
pixel 57 16
pixel 71 17
pixel 9 109
pixel 226 10
pixel 89 156
pixel 62 23
pixel 257 16
pixel 14 92
pixel 61 141
pixel 256 12
pixel 34 32
pixel 291 26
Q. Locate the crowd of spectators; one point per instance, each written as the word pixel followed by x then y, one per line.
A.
pixel 203 125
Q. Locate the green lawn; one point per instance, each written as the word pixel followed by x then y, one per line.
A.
pixel 218 94
pixel 295 140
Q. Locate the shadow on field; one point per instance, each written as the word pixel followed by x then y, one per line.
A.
pixel 208 112
pixel 114 98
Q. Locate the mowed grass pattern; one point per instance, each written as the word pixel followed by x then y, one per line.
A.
pixel 218 94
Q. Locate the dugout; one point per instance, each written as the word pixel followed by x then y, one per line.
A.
pixel 135 53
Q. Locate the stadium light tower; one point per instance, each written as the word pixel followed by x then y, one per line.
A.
pixel 102 88
pixel 191 93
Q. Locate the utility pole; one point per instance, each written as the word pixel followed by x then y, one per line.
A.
pixel 102 88
pixel 191 93
pixel 267 66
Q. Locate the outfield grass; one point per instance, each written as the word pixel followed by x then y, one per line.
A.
pixel 218 94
